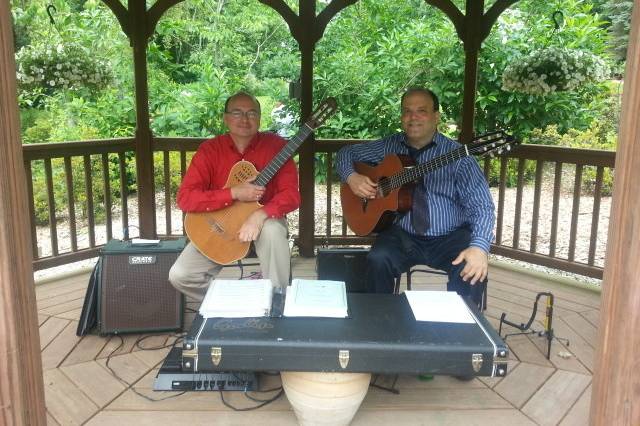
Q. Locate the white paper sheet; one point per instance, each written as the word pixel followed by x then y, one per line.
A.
pixel 316 298
pixel 439 306
pixel 143 241
pixel 237 299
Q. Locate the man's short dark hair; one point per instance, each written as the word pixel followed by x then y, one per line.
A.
pixel 424 91
pixel 241 94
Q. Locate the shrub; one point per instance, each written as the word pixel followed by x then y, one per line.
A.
pixel 593 138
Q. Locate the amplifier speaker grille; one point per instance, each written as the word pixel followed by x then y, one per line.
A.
pixel 344 264
pixel 135 294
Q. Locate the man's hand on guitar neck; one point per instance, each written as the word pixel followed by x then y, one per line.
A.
pixel 247 191
pixel 362 186
pixel 477 264
pixel 251 228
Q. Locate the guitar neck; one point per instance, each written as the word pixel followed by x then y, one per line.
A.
pixel 285 153
pixel 414 173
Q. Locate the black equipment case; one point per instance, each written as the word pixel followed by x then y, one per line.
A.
pixel 381 336
pixel 129 289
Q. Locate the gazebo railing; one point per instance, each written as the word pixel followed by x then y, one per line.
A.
pixel 551 202
pixel 55 164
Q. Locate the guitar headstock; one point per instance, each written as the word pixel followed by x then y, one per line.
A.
pixel 325 110
pixel 492 144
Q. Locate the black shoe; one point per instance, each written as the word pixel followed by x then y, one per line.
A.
pixel 465 378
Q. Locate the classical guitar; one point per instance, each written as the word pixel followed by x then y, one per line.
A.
pixel 396 176
pixel 215 233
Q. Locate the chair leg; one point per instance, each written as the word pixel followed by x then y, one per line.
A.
pixel 484 297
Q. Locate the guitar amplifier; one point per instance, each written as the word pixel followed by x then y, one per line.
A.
pixel 348 264
pixel 134 293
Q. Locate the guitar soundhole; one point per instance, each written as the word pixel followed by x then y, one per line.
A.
pixel 244 173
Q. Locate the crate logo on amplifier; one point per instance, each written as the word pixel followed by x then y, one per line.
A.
pixel 142 260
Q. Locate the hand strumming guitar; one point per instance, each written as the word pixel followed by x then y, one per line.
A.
pixel 362 186
pixel 251 228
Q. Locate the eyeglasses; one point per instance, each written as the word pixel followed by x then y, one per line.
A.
pixel 418 113
pixel 237 114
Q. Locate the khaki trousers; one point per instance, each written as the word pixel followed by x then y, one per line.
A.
pixel 192 271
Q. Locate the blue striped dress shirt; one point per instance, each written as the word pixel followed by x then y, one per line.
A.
pixel 457 194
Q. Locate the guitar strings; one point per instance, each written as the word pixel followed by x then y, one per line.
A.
pixel 287 151
pixel 401 178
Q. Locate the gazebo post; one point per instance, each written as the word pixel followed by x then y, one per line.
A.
pixel 615 398
pixel 307 44
pixel 21 386
pixel 472 28
pixel 139 37
pixel 307 28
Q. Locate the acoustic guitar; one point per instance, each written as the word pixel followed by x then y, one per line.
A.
pixel 396 176
pixel 215 234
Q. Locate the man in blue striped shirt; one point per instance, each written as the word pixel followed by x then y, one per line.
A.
pixel 453 202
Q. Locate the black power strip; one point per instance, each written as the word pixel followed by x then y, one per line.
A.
pixel 172 378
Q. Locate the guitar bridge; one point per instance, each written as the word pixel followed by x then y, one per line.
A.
pixel 215 227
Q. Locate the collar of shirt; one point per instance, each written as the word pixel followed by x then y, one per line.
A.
pixel 250 147
pixel 414 153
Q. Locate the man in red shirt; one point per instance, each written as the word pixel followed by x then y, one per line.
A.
pixel 202 189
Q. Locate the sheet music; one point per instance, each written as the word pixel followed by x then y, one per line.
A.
pixel 439 306
pixel 316 298
pixel 237 299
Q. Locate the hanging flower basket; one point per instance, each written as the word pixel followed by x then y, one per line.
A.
pixel 553 69
pixel 65 66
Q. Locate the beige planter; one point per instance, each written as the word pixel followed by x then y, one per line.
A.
pixel 325 398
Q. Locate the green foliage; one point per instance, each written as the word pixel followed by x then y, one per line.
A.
pixel 371 53
pixel 511 176
pixel 619 14
pixel 174 171
pixel 526 27
pixel 61 196
pixel 598 136
pixel 202 51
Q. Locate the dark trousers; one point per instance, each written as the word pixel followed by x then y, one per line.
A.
pixel 395 251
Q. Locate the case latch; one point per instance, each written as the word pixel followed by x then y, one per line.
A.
pixel 216 355
pixel 343 358
pixel 476 362
pixel 189 356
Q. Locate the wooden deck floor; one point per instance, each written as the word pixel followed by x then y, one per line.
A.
pixel 108 380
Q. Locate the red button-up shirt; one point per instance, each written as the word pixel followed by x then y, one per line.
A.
pixel 202 188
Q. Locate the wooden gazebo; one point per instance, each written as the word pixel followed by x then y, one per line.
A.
pixel 616 382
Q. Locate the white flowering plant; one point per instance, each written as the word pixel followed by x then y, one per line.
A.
pixel 553 69
pixel 65 66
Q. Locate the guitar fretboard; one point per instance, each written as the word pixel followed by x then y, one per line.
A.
pixel 411 174
pixel 408 175
pixel 285 153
